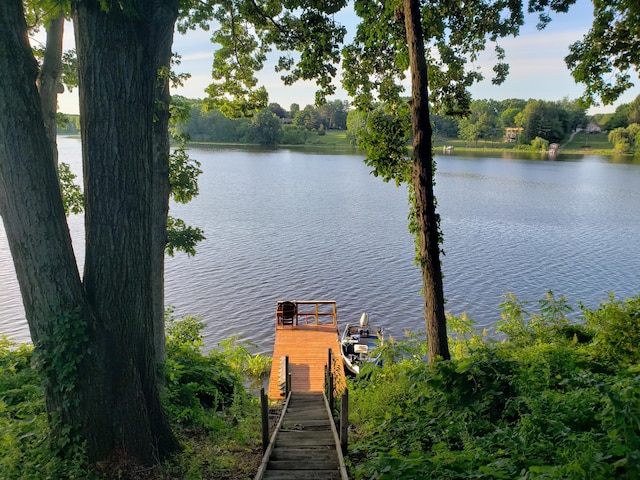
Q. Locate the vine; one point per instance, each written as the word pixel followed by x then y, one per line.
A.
pixel 59 355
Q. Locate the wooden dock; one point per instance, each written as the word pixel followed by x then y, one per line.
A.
pixel 306 342
pixel 305 443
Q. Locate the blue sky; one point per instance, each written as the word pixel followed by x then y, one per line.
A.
pixel 536 58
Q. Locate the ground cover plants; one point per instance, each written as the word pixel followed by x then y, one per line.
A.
pixel 211 412
pixel 550 398
pixel 551 395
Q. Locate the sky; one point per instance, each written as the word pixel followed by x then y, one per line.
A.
pixel 536 59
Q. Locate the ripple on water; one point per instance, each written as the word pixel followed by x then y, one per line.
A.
pixel 294 225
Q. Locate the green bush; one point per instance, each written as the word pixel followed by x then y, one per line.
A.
pixel 196 383
pixel 25 448
pixel 617 330
pixel 537 404
pixel 217 422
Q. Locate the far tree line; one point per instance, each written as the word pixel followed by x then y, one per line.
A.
pixel 552 121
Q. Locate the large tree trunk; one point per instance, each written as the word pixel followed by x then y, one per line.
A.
pixel 422 179
pixel 117 62
pixel 57 312
pixel 95 344
pixel 49 79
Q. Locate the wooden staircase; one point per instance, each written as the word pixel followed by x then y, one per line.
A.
pixel 305 444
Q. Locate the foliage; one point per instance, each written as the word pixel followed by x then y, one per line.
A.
pixel 483 122
pixel 217 421
pixel 266 127
pixel 294 135
pixel 550 401
pixel 25 445
pixel 605 58
pixel 183 187
pixel 182 237
pixel 626 140
pixel 617 330
pixel 377 60
pixel 246 31
pixel 385 138
pixel 59 355
pixel 537 145
pixel 72 196
pixel 307 118
pixel 183 175
pixel 255 367
pixel 263 128
pixel 195 382
pixel 552 121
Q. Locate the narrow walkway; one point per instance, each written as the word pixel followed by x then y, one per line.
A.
pixel 305 445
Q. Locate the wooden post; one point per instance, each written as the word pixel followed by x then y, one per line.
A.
pixel 331 393
pixel 344 421
pixel 265 419
pixel 330 368
pixel 287 377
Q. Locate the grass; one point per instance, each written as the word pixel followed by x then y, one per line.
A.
pixel 589 142
pixel 581 143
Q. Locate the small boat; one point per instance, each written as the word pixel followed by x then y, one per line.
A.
pixel 359 344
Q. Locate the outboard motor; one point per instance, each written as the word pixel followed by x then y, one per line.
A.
pixel 364 320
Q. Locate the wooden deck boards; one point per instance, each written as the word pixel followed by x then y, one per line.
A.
pixel 307 347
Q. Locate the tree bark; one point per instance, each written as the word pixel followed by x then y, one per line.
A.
pixel 57 312
pixel 422 179
pixel 49 79
pixel 118 68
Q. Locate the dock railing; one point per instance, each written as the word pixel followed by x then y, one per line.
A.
pixel 311 312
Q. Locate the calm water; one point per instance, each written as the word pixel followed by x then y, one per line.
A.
pixel 285 224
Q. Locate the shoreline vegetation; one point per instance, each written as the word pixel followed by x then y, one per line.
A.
pixel 337 141
pixel 554 395
pixel 513 126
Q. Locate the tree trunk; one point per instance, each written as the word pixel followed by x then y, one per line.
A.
pixel 49 80
pixel 57 312
pixel 118 68
pixel 422 179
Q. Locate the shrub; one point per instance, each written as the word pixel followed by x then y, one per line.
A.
pixel 196 383
pixel 536 405
pixel 617 330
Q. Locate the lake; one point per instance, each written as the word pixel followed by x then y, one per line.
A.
pixel 285 224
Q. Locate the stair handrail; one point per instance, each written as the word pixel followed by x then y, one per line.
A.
pixel 336 439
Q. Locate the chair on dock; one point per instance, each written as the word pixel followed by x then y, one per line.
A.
pixel 288 311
